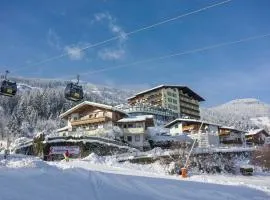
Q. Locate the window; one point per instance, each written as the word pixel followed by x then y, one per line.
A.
pixel 137 138
pixel 130 125
pixel 129 138
pixel 176 126
pixel 124 126
pixel 138 125
pixel 75 118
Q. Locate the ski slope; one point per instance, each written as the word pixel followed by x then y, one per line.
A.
pixel 28 178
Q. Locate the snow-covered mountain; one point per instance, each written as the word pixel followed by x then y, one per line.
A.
pixel 244 107
pixel 241 113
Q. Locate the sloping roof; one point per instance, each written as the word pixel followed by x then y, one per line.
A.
pixel 188 120
pixel 182 87
pixel 136 118
pixel 256 131
pixel 99 105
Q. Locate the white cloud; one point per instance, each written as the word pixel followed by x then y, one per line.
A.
pixel 74 53
pixel 118 52
pixel 118 31
pixel 100 16
pixel 111 54
pixel 112 25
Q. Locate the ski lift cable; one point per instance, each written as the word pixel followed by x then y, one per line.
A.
pixel 126 34
pixel 174 55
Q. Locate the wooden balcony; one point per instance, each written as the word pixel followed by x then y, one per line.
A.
pixel 89 121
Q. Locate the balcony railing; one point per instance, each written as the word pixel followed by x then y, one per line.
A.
pixel 89 121
pixel 133 130
pixel 151 110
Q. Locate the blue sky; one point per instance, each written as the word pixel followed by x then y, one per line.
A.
pixel 32 31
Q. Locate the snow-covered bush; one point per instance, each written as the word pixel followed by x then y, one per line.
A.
pixel 261 157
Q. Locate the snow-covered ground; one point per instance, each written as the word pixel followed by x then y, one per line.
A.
pixel 28 178
pixel 261 121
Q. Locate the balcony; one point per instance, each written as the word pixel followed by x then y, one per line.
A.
pixel 187 106
pixel 133 130
pixel 89 121
pixel 151 110
pixel 188 100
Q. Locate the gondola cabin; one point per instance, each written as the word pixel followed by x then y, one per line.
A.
pixel 8 88
pixel 74 92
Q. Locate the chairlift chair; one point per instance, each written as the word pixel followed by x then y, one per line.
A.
pixel 74 91
pixel 8 88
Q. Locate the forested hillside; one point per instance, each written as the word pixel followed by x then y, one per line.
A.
pixel 38 103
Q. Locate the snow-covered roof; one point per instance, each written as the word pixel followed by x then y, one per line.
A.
pixel 255 131
pixel 104 106
pixel 188 120
pixel 228 127
pixel 136 118
pixel 182 87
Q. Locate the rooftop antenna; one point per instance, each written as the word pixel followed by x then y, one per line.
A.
pixel 7 72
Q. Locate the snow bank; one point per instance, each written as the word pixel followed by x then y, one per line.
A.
pixel 112 161
pixel 20 161
pixel 258 181
pixel 76 180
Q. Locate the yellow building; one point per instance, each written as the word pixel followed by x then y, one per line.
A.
pixel 179 99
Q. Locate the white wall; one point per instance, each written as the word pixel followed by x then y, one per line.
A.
pixel 133 142
pixel 213 137
pixel 213 129
pixel 176 130
pixel 213 140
